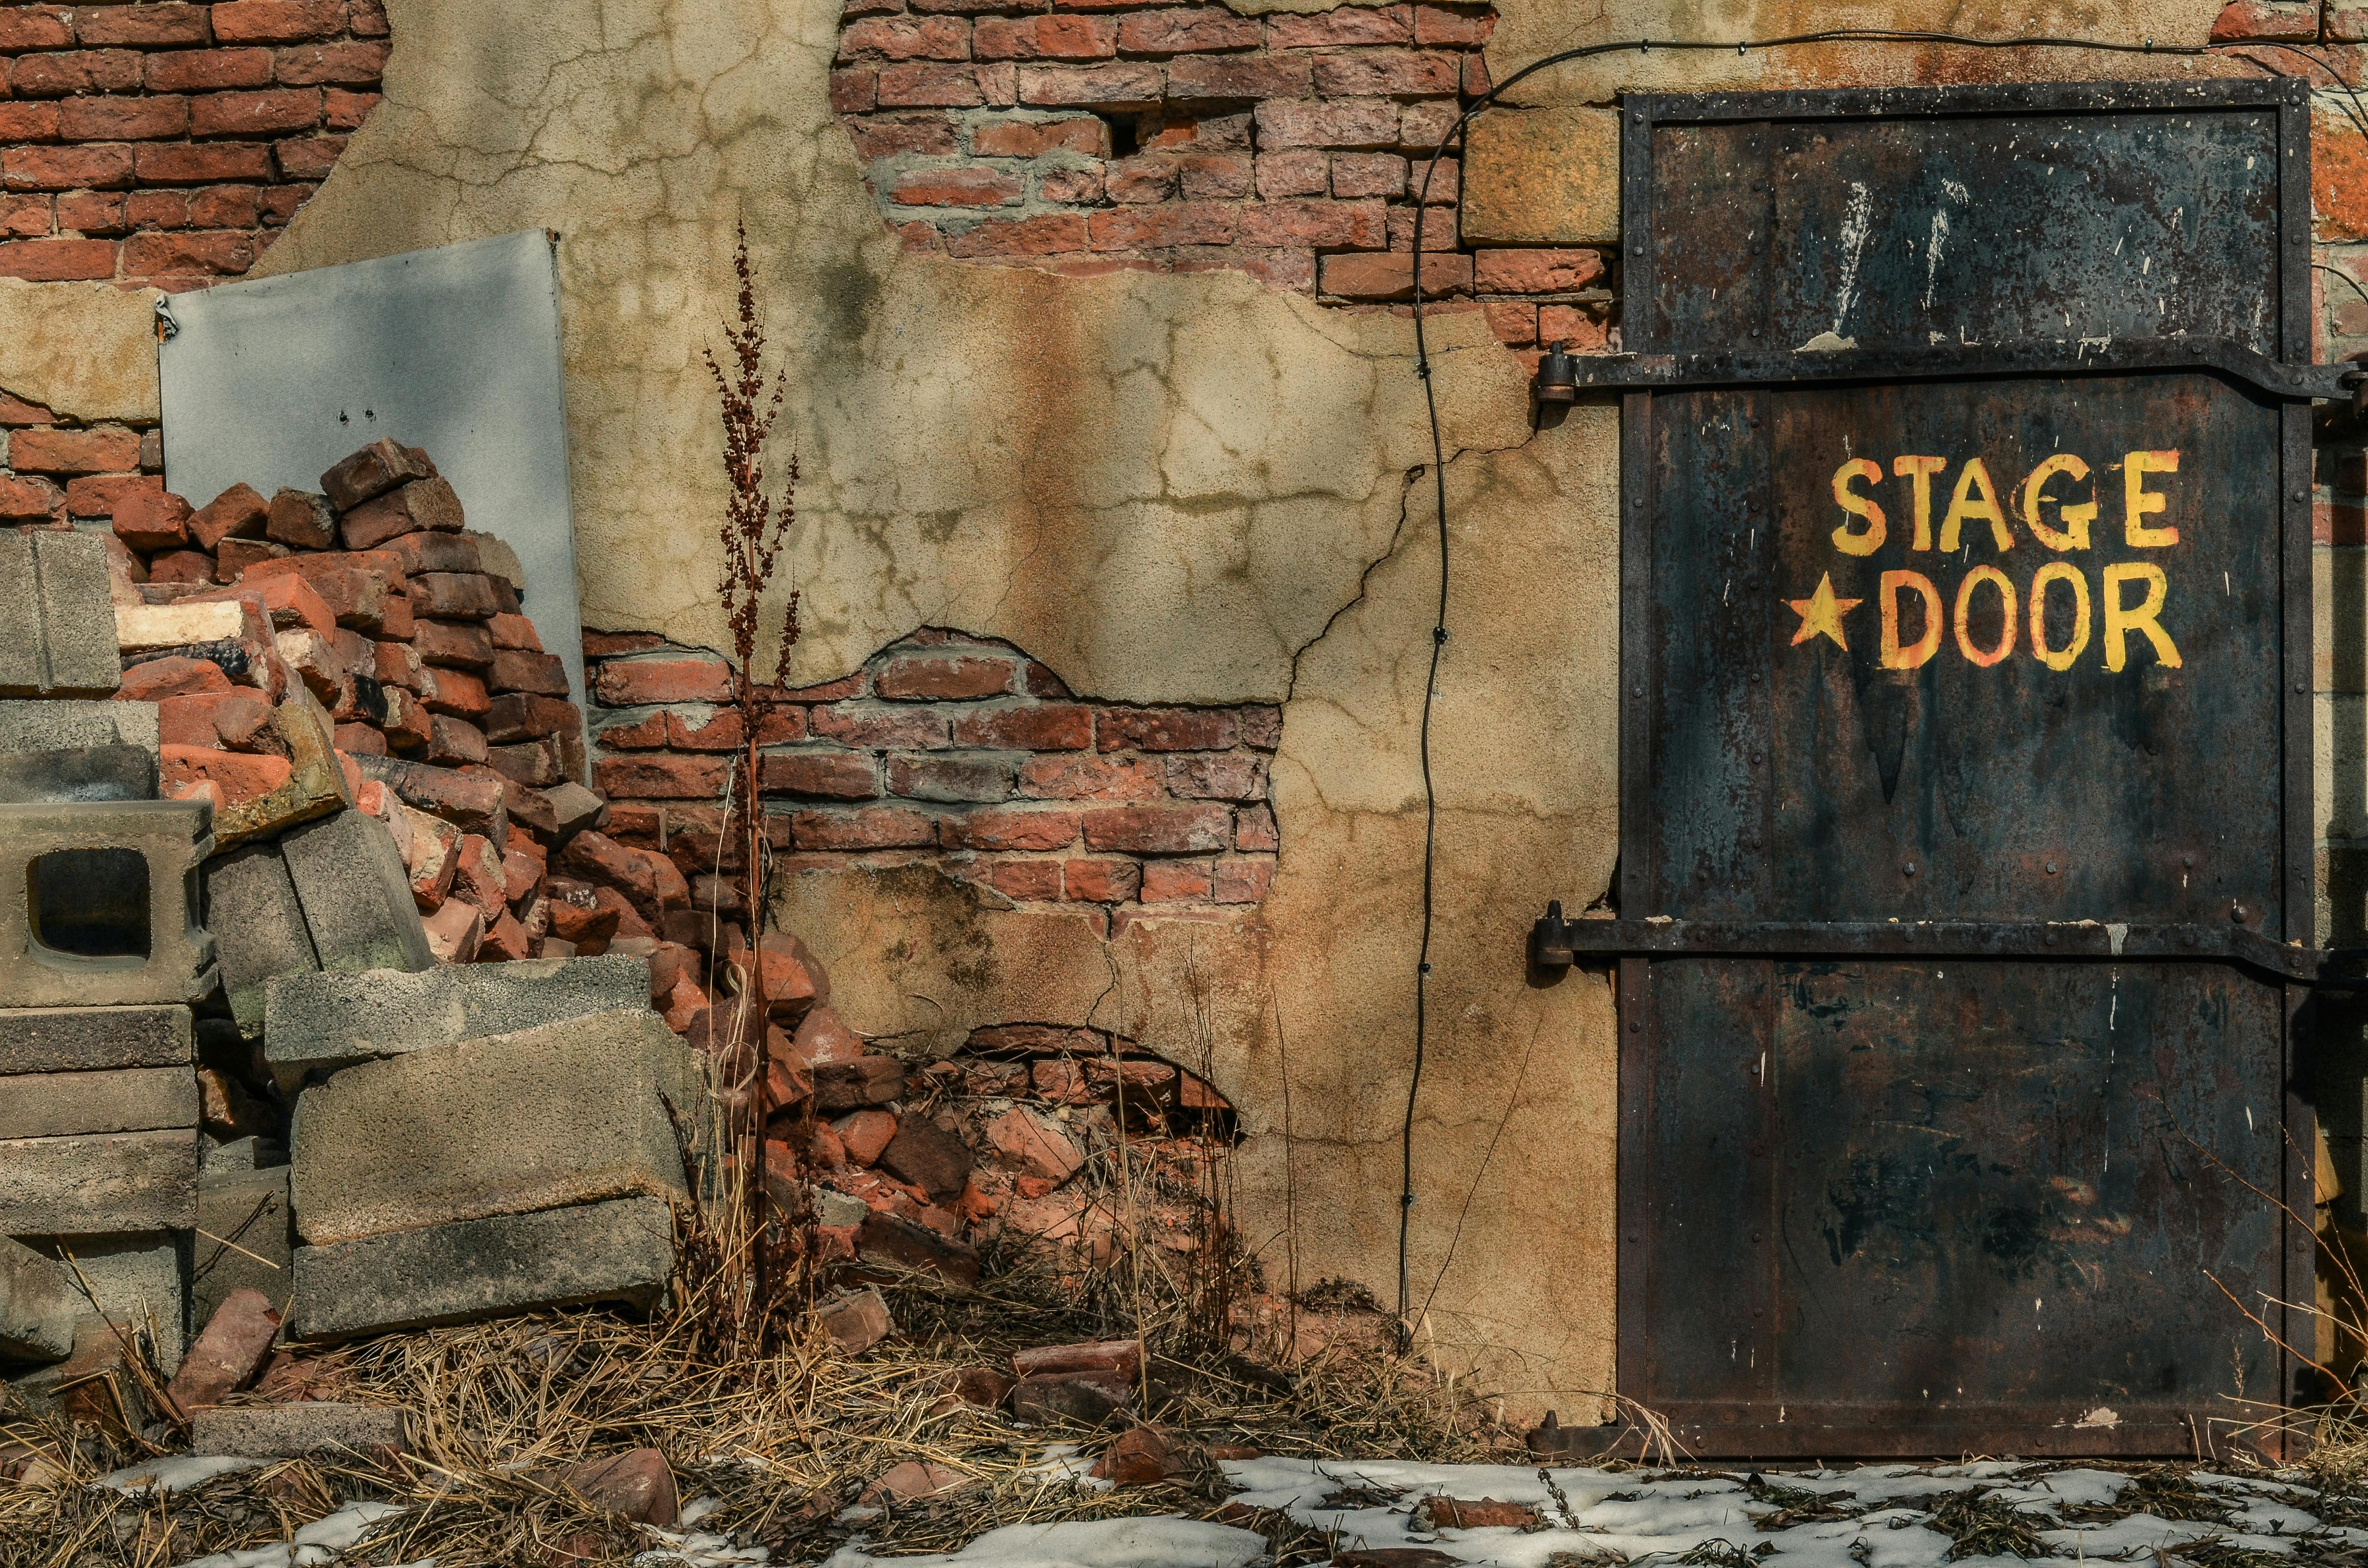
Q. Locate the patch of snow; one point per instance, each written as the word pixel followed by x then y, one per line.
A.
pixel 324 1541
pixel 697 1549
pixel 176 1474
pixel 1163 1543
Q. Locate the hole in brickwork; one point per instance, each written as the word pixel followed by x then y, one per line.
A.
pixel 89 903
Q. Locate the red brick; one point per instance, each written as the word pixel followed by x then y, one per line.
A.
pixel 16 412
pixel 855 92
pixel 1016 827
pixel 1294 172
pixel 208 70
pixel 870 827
pixel 276 21
pixel 1328 226
pixel 329 64
pixel 1176 881
pixel 366 18
pixel 957 187
pixel 1169 223
pixel 123 120
pixel 1092 778
pixel 25 499
pixel 255 114
pixel 932 677
pixel 1047 234
pixel 611 645
pixel 343 110
pixel 66 168
pixel 223 207
pixel 1050 726
pixel 188 253
pixel 1351 123
pixel 29 122
pixel 1197 31
pixel 822 774
pixel 1158 830
pixel 157 26
pixel 919 85
pixel 1223 776
pixel 1028 138
pixel 2287 20
pixel 1254 829
pixel 1570 324
pixel 1025 880
pixel 201 165
pixel 1389 275
pixel 1386 73
pixel 1116 86
pixel 1195 77
pixel 1425 125
pixel 905 38
pixel 628 683
pixel 1476 74
pixel 459 693
pixel 1134 181
pixel 1535 271
pixel 104 495
pixel 50 451
pixel 1101 882
pixel 1346 24
pixel 1083 187
pixel 931 135
pixel 1462 29
pixel 661 777
pixel 953 779
pixel 57 261
pixel 79 70
pixel 1439 184
pixel 1243 881
pixel 1214 176
pixel 1045 38
pixel 238 512
pixel 904 727
pixel 1169 729
pixel 515 669
pixel 34 27
pixel 1514 322
pixel 239 777
pixel 648 734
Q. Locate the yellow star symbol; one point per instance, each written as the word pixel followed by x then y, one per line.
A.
pixel 1821 614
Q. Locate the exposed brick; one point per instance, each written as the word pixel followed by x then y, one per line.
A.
pixel 1346 24
pixel 1225 776
pixel 1048 234
pixel 1386 73
pixel 343 110
pixel 24 499
pixel 1368 173
pixel 1079 186
pixel 1101 882
pixel 29 122
pixel 957 187
pixel 1214 176
pixel 78 71
pixel 34 27
pixel 1578 327
pixel 1157 829
pixel 905 38
pixel 1168 223
pixel 1049 726
pixel 628 683
pixel 329 64
pixel 50 451
pixel 123 120
pixel 646 734
pixel 65 169
pixel 1326 225
pixel 307 157
pixel 1390 275
pixel 208 70
pixel 1351 123
pixel 822 774
pixel 16 412
pixel 1092 778
pixel 917 85
pixel 1535 271
pixel 22 215
pixel 1243 881
pixel 1201 78
pixel 2285 20
pixel 181 165
pixel 870 827
pixel 909 728
pixel 1438 183
pixel 1514 322
pixel 162 26
pixel 1254 829
pixel 188 253
pixel 1045 38
pixel 1017 827
pixel 104 495
pixel 1023 879
pixel 975 7
pixel 276 21
pixel 661 777
pixel 951 779
pixel 1425 126
pixel 857 91
pixel 1296 172
pixel 931 677
pixel 57 261
pixel 1167 729
pixel 1201 30
pixel 1031 138
pixel 1118 87
pixel 1177 882
pixel 254 114
pixel 366 18
pixel 611 645
pixel 931 134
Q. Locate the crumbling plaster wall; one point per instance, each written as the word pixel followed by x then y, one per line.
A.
pixel 1170 489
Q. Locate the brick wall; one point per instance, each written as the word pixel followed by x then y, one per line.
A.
pixel 166 142
pixel 50 471
pixel 951 749
pixel 1086 135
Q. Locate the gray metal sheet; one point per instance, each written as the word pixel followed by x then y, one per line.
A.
pixel 454 350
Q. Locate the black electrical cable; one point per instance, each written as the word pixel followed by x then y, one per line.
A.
pixel 1451 139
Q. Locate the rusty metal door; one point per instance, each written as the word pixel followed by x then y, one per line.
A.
pixel 1966 843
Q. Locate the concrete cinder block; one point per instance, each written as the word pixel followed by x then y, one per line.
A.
pixel 51 726
pixel 316 784
pixel 85 1039
pixel 250 1211
pixel 356 895
pixel 57 615
pixel 258 928
pixel 38 1305
pixel 77 774
pixel 619 1252
pixel 320 1022
pixel 286 1431
pixel 97 904
pixel 1542 176
pixel 126 1100
pixel 138 1278
pixel 572 1112
pixel 99 1185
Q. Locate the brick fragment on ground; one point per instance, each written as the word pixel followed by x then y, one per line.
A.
pixel 228 1354
pixel 866 1081
pixel 636 1485
pixel 857 1321
pixel 1141 1456
pixel 914 1479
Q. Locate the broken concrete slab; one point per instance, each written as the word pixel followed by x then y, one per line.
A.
pixel 78 774
pixel 288 1431
pixel 96 905
pixel 259 926
pixel 99 1185
pixel 356 895
pixel 619 1252
pixel 50 727
pixel 320 1022
pixel 125 1099
pixel 246 1240
pixel 571 1112
pixel 78 1040
pixel 57 615
pixel 38 1305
